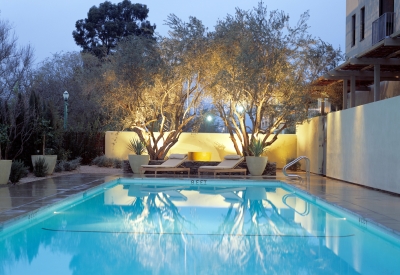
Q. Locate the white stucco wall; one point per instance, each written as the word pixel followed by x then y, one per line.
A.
pixel 219 145
pixel 310 137
pixel 363 145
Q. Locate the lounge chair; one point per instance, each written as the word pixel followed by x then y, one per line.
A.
pixel 170 165
pixel 226 166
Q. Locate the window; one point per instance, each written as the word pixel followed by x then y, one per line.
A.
pixel 386 6
pixel 362 23
pixel 353 30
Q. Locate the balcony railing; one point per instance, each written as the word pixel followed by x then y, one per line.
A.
pixel 382 27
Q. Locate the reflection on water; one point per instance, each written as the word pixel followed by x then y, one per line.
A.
pixel 134 229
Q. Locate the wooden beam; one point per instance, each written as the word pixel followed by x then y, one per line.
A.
pixel 391 42
pixel 375 61
pixel 363 78
pixel 348 74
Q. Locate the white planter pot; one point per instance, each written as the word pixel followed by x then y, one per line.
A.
pixel 256 165
pixel 5 169
pixel 49 159
pixel 137 160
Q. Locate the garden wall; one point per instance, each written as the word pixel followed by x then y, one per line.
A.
pixel 218 144
pixel 363 145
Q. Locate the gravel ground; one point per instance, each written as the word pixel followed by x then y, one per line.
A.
pixel 84 169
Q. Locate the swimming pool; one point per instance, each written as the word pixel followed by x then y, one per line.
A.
pixel 156 226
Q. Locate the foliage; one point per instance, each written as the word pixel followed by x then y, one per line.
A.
pixel 137 146
pixel 261 70
pixel 47 124
pixel 3 136
pixel 103 161
pixel 257 147
pixel 15 67
pixel 15 114
pixel 40 167
pixel 18 171
pixel 296 166
pixel 153 88
pixel 86 144
pixel 80 75
pixel 64 165
pixel 15 62
pixel 108 23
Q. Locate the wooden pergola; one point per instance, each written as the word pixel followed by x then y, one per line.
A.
pixel 379 63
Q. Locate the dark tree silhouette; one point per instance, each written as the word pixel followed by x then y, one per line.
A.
pixel 108 23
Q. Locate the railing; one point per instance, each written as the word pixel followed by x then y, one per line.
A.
pixel 293 162
pixel 306 211
pixel 382 27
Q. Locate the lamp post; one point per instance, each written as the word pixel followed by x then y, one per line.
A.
pixel 65 96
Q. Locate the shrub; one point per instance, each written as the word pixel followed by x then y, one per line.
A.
pixel 71 165
pixel 117 163
pixel 40 167
pixel 59 166
pixel 75 163
pixel 18 171
pixel 103 161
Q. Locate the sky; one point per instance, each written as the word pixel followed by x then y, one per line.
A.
pixel 48 24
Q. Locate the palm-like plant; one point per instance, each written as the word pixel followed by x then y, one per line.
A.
pixel 257 147
pixel 137 146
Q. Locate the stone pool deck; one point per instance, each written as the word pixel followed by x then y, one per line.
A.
pixel 374 206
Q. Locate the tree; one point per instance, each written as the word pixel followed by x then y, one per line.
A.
pixel 16 121
pixel 153 87
pixel 261 71
pixel 107 24
pixel 77 73
pixel 15 62
pixel 15 68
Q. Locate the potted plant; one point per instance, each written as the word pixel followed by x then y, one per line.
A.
pixel 50 159
pixel 256 163
pixel 5 165
pixel 136 160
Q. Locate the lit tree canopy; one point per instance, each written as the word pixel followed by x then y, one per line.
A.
pixel 107 24
pixel 152 86
pixel 261 69
pixel 254 70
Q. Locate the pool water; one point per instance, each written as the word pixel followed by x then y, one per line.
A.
pixel 153 228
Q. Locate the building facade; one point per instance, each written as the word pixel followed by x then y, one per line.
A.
pixel 371 71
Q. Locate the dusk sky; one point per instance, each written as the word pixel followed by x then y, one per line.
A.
pixel 48 24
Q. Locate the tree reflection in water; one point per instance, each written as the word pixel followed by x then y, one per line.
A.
pixel 255 237
pixel 154 236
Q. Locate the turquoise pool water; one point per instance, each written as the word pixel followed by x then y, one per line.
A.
pixel 195 227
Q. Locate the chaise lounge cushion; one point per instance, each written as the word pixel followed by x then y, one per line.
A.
pixel 174 161
pixel 229 162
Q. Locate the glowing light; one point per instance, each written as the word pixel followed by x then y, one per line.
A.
pixel 209 118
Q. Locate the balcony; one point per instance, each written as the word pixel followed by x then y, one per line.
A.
pixel 382 27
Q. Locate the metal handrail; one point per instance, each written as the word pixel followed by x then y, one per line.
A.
pixel 306 211
pixel 293 162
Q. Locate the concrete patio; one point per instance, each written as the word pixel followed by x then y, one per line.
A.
pixel 374 206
